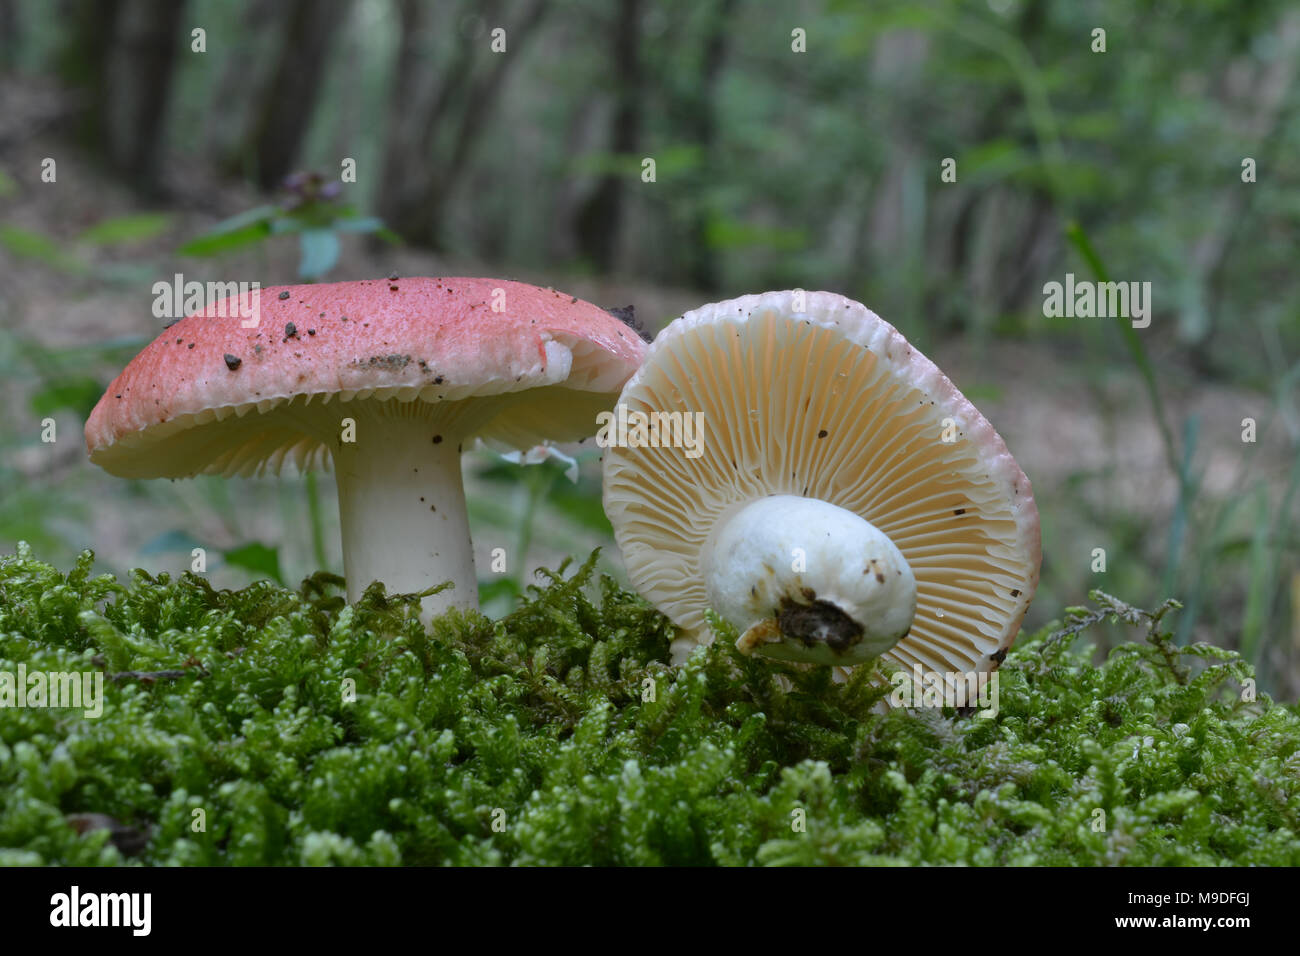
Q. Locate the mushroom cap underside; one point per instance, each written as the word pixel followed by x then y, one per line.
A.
pixel 831 403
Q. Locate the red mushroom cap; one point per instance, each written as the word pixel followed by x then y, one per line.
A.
pixel 210 396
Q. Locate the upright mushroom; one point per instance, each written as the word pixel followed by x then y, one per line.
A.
pixel 846 501
pixel 387 378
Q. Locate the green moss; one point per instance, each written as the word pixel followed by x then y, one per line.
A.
pixel 541 724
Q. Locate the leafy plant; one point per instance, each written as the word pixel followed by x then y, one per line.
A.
pixel 311 211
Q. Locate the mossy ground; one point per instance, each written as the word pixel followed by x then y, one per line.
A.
pixel 529 740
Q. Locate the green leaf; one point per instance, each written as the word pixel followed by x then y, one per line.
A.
pixel 211 244
pixel 127 228
pixel 32 245
pixel 248 227
pixel 250 217
pixel 78 395
pixel 28 244
pixel 258 558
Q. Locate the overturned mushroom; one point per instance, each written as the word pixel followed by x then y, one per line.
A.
pixel 845 502
pixel 390 380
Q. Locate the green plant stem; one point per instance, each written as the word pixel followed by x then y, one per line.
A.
pixel 316 520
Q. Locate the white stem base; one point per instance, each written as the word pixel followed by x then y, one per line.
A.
pixel 805 580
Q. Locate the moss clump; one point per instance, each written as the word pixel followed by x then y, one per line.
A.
pixel 229 736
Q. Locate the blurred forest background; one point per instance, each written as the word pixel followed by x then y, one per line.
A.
pixel 177 151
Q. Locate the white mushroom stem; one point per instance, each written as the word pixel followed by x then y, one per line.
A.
pixel 402 508
pixel 806 580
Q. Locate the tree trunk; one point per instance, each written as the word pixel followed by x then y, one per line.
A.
pixel 417 182
pixel 403 150
pixel 10 28
pixel 120 54
pixel 281 120
pixel 138 79
pixel 235 93
pixel 703 266
pixel 82 64
pixel 598 221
